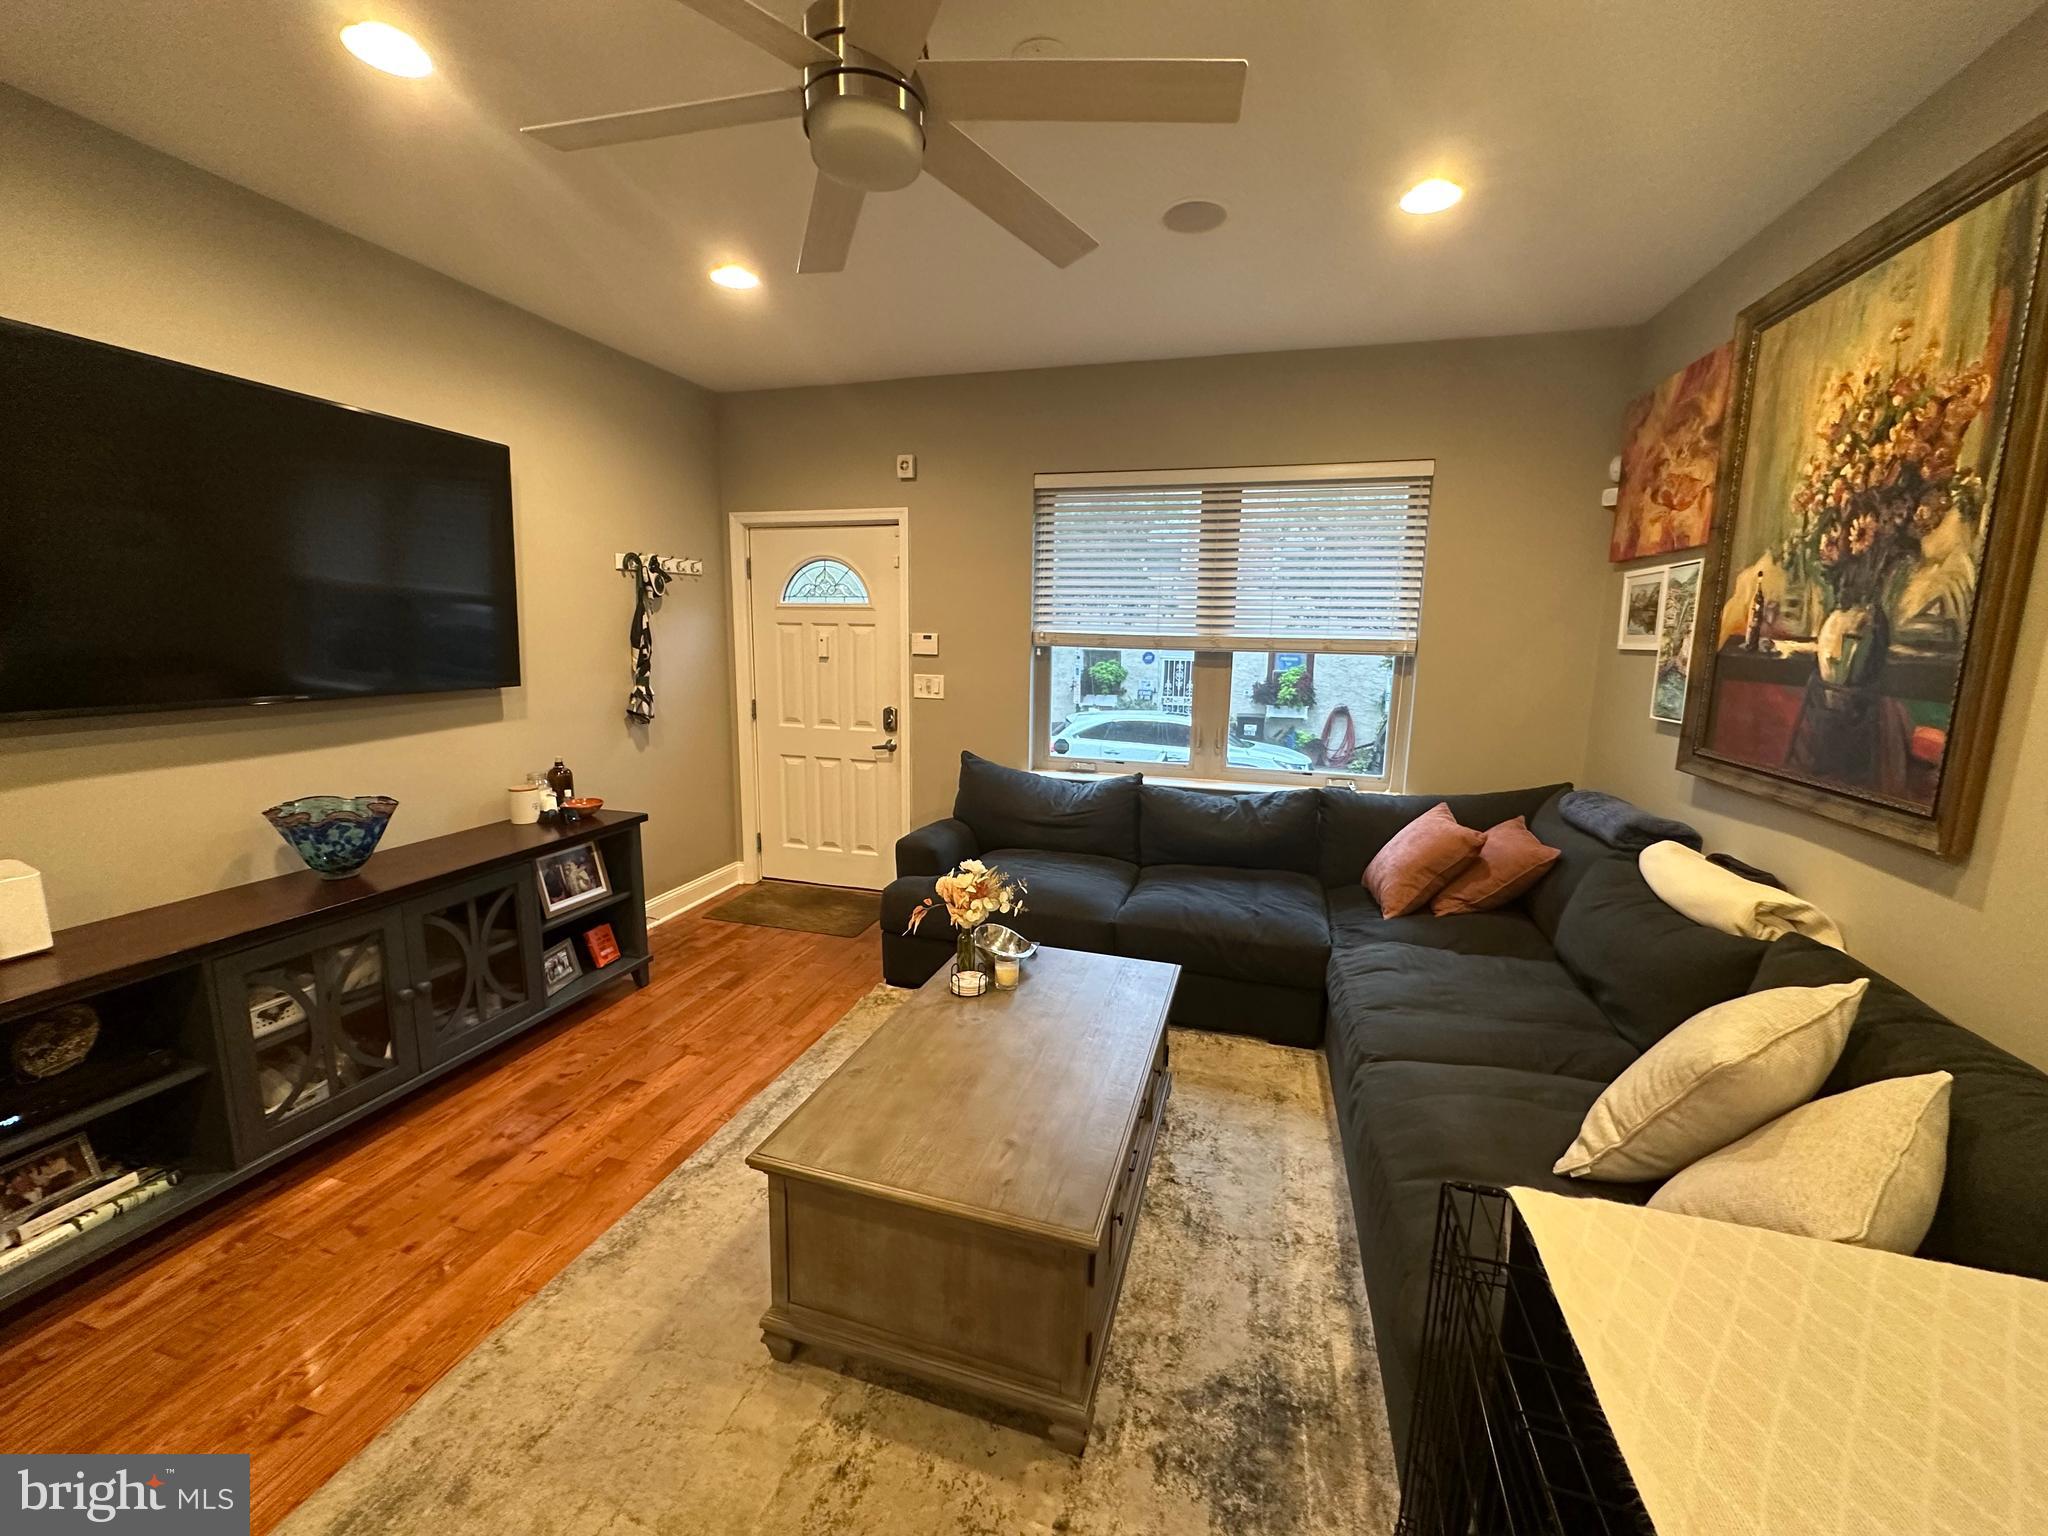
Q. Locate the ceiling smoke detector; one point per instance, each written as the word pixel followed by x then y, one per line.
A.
pixel 1194 217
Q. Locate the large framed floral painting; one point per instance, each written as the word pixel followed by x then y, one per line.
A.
pixel 1881 494
pixel 1670 459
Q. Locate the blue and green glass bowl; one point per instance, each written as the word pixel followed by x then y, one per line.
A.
pixel 334 834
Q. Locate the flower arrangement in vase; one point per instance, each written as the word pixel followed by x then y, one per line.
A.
pixel 1882 489
pixel 972 893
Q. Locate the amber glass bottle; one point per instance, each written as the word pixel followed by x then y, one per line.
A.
pixel 561 786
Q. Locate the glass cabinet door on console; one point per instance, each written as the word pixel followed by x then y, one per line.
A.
pixel 475 955
pixel 315 1025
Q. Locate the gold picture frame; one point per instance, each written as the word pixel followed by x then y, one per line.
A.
pixel 1856 623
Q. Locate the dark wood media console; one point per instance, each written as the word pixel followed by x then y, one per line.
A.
pixel 239 1027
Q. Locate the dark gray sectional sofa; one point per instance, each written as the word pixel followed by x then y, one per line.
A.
pixel 1466 1047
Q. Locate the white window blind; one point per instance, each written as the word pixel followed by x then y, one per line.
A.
pixel 1298 558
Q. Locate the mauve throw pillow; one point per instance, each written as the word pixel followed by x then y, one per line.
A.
pixel 1510 861
pixel 1419 860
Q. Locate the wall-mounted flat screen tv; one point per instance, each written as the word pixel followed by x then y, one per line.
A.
pixel 173 538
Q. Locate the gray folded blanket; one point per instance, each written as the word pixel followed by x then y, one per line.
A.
pixel 1622 825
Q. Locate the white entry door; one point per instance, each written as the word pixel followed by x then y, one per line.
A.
pixel 828 647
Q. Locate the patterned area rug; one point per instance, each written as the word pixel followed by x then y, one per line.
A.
pixel 633 1395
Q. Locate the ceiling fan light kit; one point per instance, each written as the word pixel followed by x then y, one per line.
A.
pixel 865 120
pixel 879 112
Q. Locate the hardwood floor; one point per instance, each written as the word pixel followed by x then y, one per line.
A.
pixel 299 1318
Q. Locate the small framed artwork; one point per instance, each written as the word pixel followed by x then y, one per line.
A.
pixel 1642 600
pixel 44 1177
pixel 604 945
pixel 559 966
pixel 1674 641
pixel 572 878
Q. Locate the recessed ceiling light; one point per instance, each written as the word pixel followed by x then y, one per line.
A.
pixel 1431 196
pixel 1194 217
pixel 385 47
pixel 1040 47
pixel 733 276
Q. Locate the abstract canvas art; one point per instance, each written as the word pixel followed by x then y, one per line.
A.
pixel 1670 459
pixel 1881 496
pixel 1674 640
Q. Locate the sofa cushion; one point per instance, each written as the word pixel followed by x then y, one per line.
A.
pixel 1647 967
pixel 1409 1126
pixel 1010 808
pixel 1252 924
pixel 1723 1073
pixel 1407 1002
pixel 1355 919
pixel 1226 830
pixel 1070 899
pixel 1420 859
pixel 1358 824
pixel 1863 1168
pixel 1510 861
pixel 1994 1201
pixel 1577 853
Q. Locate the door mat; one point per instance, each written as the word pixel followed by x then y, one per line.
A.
pixel 809 908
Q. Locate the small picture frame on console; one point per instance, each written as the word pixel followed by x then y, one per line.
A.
pixel 45 1176
pixel 574 877
pixel 559 965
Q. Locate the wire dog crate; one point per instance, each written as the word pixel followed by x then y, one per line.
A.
pixel 1508 1438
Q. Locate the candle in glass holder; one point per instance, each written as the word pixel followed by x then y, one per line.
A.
pixel 1007 972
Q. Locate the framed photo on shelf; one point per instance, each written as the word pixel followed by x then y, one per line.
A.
pixel 44 1177
pixel 572 878
pixel 1642 601
pixel 559 965
pixel 604 946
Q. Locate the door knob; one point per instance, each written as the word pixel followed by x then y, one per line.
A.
pixel 884 746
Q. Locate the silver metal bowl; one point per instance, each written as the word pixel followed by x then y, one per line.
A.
pixel 1004 943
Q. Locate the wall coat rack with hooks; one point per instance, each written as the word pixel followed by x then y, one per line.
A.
pixel 673 565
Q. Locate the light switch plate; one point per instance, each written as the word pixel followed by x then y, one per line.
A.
pixel 1611 496
pixel 924 642
pixel 928 685
pixel 906 466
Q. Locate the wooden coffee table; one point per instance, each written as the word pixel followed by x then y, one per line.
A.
pixel 956 1202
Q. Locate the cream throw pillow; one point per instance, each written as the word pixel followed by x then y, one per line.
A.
pixel 1722 1073
pixel 1713 897
pixel 1863 1168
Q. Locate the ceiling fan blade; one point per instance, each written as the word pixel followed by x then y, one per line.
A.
pixel 1085 90
pixel 997 191
pixel 895 29
pixel 835 208
pixel 744 19
pixel 666 122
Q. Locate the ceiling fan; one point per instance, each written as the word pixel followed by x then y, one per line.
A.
pixel 878 112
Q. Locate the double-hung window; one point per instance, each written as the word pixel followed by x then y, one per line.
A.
pixel 1252 624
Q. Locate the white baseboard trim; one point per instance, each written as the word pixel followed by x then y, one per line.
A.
pixel 668 904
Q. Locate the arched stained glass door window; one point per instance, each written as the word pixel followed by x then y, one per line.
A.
pixel 825 581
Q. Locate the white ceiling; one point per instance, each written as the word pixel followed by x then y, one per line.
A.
pixel 1615 150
